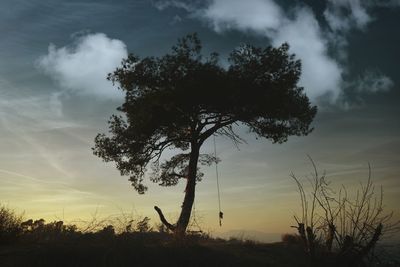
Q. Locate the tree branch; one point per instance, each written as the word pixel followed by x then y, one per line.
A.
pixel 213 129
pixel 163 220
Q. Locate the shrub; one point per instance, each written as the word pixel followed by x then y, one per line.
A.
pixel 10 225
pixel 39 230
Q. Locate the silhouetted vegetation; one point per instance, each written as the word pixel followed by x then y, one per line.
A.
pixel 341 228
pixel 37 243
pixel 334 229
pixel 181 99
pixel 10 225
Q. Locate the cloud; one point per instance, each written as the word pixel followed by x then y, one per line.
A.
pixel 23 118
pixel 322 74
pixel 82 67
pixel 373 82
pixel 255 15
pixel 161 5
pixel 343 15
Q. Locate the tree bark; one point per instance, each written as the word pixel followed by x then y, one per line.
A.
pixel 187 204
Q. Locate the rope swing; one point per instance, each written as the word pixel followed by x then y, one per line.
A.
pixel 220 214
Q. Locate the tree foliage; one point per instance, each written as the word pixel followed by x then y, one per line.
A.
pixel 183 98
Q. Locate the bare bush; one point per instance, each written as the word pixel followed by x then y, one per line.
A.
pixel 339 226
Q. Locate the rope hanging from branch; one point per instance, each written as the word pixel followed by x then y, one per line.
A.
pixel 220 214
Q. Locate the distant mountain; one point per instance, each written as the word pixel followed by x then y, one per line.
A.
pixel 252 235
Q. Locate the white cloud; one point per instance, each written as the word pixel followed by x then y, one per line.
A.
pixel 343 15
pixel 322 74
pixel 253 15
pixel 373 82
pixel 82 68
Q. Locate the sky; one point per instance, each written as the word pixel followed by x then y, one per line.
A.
pixel 54 98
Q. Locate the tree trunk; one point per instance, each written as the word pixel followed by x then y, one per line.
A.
pixel 187 204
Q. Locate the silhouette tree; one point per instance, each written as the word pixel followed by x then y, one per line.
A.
pixel 182 98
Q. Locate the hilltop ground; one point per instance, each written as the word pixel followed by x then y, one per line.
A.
pixel 148 249
pixel 105 248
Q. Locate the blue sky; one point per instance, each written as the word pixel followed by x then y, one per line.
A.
pixel 55 56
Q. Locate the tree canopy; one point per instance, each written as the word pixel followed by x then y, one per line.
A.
pixel 182 98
